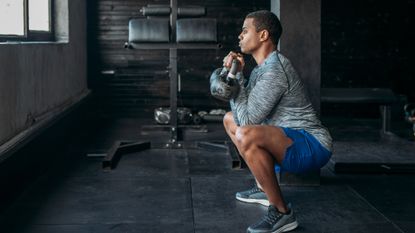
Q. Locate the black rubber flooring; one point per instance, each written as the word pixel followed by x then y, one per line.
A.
pixel 189 190
pixel 359 147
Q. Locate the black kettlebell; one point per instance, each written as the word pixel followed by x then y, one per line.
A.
pixel 223 84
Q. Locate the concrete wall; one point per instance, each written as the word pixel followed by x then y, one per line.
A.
pixel 40 80
pixel 301 41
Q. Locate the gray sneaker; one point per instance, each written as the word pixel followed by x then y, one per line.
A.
pixel 254 195
pixel 275 222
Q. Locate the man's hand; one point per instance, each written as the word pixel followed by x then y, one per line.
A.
pixel 227 61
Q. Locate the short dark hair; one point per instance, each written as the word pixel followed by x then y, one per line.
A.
pixel 266 20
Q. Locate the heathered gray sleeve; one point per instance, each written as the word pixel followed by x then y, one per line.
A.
pixel 254 107
pixel 275 95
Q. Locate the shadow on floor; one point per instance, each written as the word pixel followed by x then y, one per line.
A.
pixel 188 190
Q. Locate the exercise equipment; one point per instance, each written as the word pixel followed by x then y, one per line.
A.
pixel 165 10
pixel 156 10
pixel 214 115
pixel 191 11
pixel 148 30
pixel 144 34
pixel 162 115
pixel 196 30
pixel 381 96
pixel 223 83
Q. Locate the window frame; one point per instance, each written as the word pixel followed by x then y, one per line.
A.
pixel 33 35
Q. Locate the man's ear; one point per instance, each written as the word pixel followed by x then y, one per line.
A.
pixel 264 35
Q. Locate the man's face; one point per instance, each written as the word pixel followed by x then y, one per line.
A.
pixel 249 37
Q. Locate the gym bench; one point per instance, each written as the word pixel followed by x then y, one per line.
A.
pixel 382 96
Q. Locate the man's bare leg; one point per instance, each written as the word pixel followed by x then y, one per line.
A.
pixel 230 128
pixel 260 146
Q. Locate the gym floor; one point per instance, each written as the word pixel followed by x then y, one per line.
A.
pixel 192 190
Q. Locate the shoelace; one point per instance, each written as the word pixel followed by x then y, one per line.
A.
pixel 272 217
pixel 255 189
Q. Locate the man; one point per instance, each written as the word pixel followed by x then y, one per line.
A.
pixel 272 121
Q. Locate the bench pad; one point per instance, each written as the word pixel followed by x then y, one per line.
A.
pixel 358 95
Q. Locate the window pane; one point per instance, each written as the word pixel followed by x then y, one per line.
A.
pixel 39 15
pixel 11 17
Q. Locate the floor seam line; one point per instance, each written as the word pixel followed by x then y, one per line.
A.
pixel 378 211
pixel 191 204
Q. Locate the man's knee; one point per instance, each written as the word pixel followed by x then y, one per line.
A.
pixel 244 136
pixel 228 119
pixel 247 143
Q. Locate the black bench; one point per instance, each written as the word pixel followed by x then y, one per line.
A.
pixel 382 96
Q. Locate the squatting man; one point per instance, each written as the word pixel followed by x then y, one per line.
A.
pixel 272 122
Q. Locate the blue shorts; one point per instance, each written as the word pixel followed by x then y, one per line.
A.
pixel 305 154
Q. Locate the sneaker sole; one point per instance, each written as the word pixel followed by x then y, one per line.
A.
pixel 259 201
pixel 287 227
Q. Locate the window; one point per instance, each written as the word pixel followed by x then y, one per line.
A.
pixel 26 20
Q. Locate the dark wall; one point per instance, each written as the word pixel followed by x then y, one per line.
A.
pixel 142 83
pixel 363 44
pixel 368 44
pixel 300 42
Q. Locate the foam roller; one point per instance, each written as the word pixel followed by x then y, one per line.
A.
pixel 148 30
pixel 191 11
pixel 196 30
pixel 156 10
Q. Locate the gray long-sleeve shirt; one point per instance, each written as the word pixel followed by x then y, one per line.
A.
pixel 275 95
